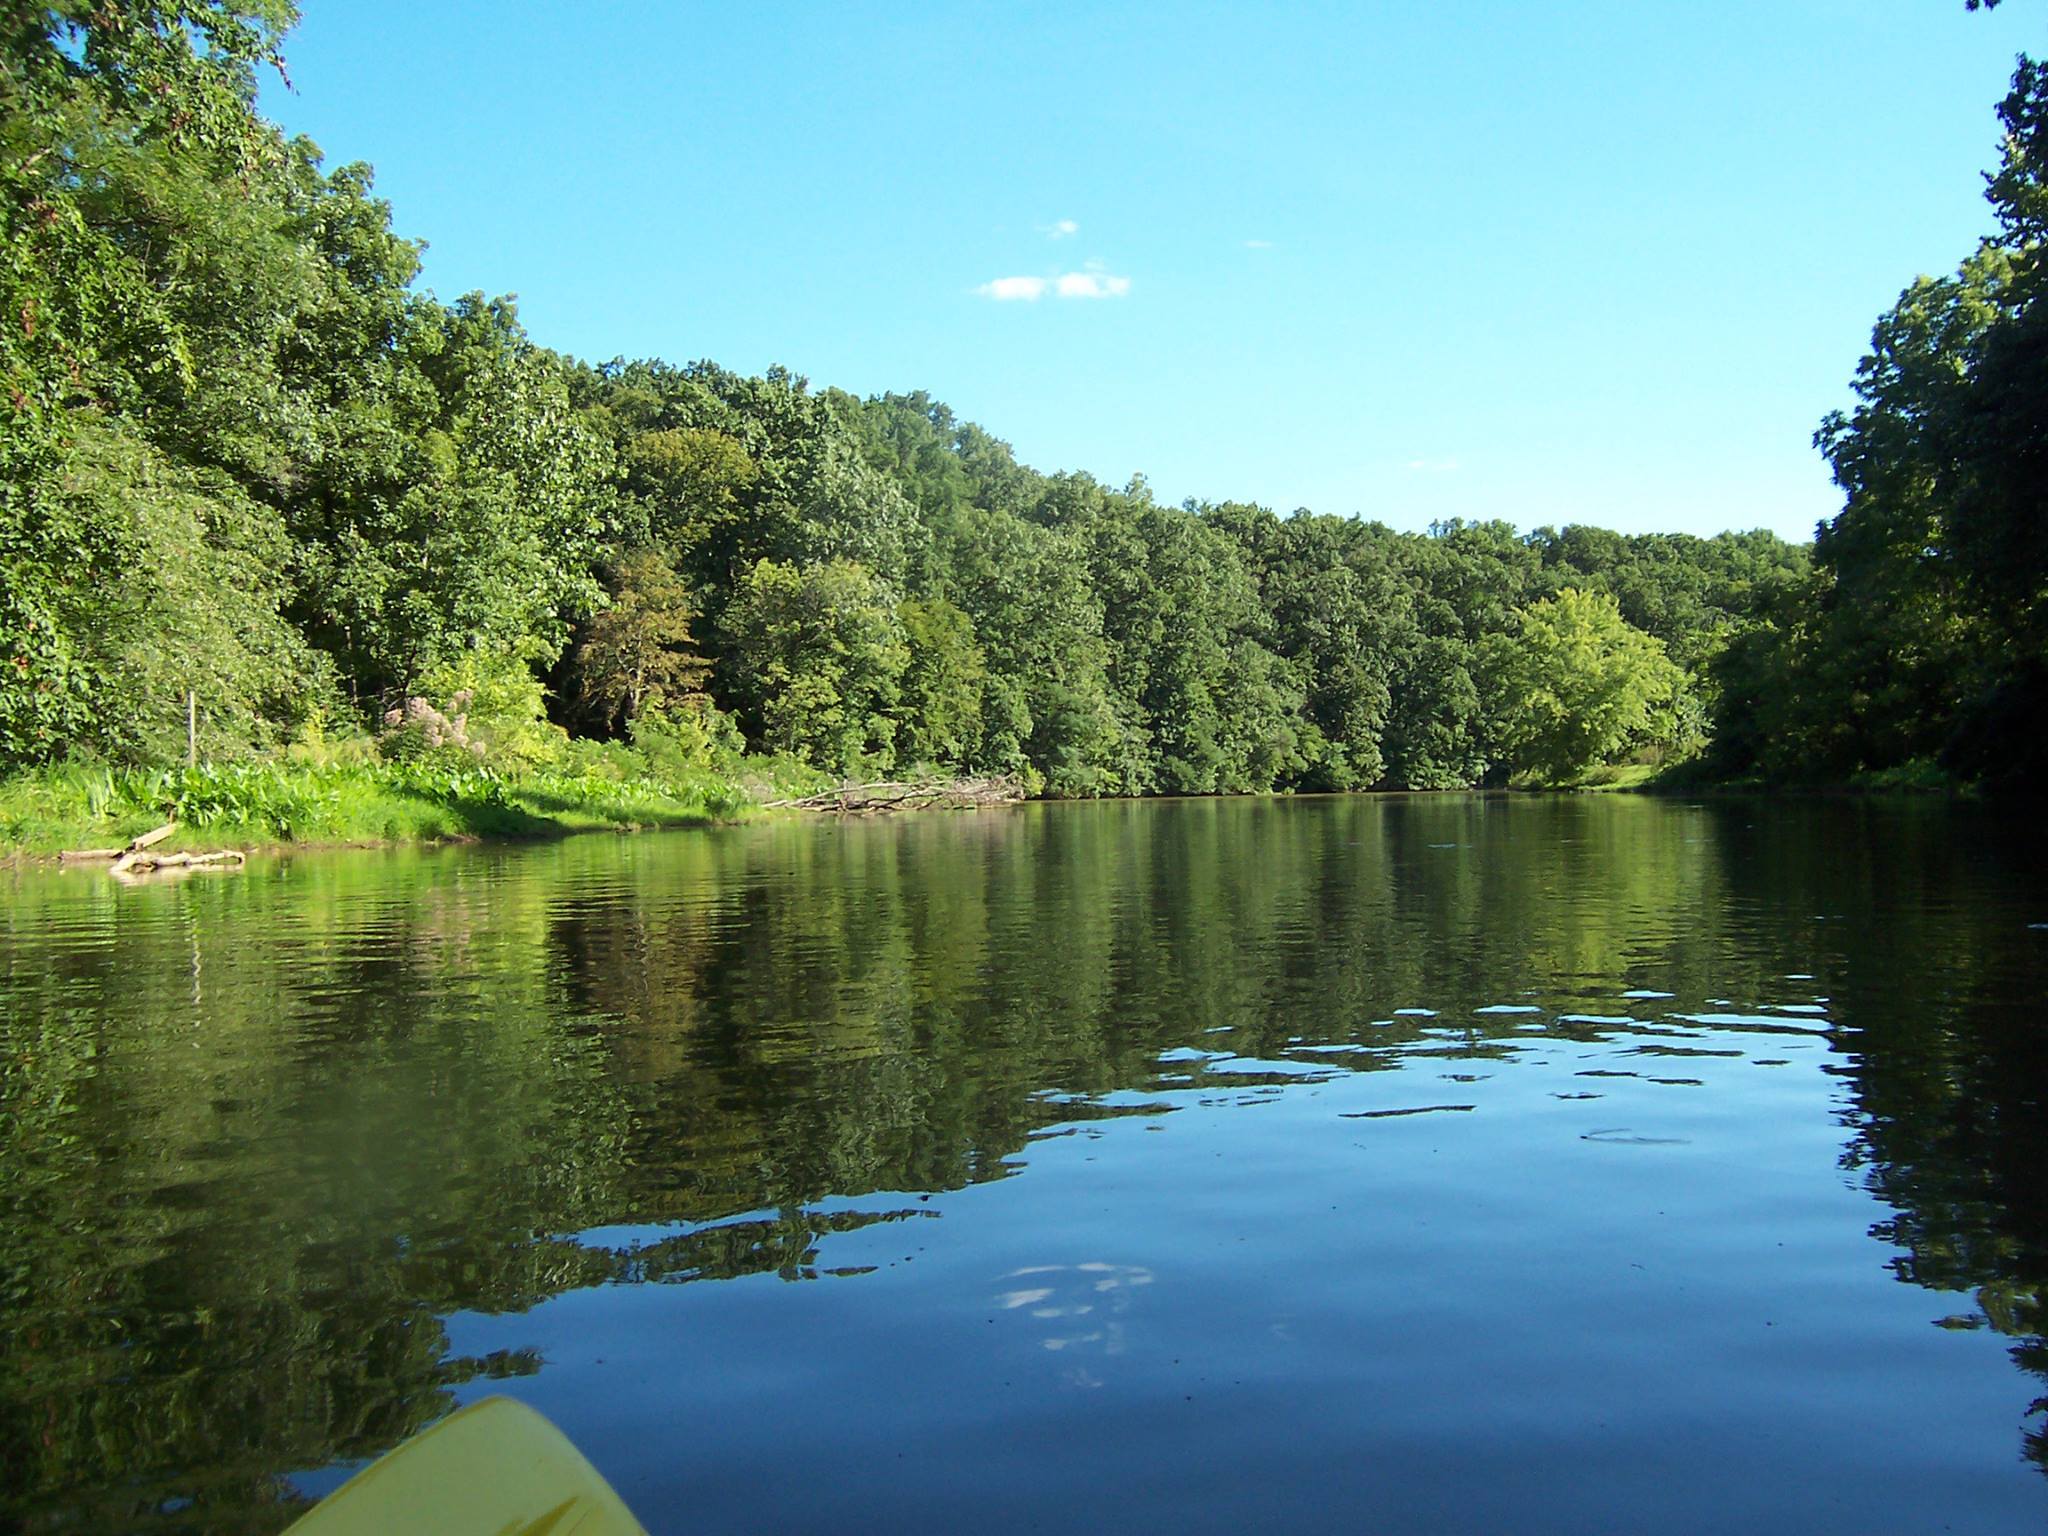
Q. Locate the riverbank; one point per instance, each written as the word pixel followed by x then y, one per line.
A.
pixel 1919 777
pixel 273 805
pixel 270 806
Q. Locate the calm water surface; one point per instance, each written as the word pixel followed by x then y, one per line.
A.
pixel 1443 1164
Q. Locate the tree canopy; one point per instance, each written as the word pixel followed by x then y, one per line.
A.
pixel 1920 638
pixel 250 460
pixel 1578 684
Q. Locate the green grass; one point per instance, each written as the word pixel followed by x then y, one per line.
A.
pixel 261 804
pixel 1918 777
pixel 1618 776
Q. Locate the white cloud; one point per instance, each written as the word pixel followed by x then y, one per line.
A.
pixel 1005 290
pixel 1065 285
pixel 1091 285
pixel 1063 229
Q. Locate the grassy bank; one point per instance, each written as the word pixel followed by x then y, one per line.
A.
pixel 368 802
pixel 269 804
pixel 1919 776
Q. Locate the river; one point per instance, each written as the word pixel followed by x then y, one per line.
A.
pixel 1419 1164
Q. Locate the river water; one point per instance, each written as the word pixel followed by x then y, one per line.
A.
pixel 1417 1164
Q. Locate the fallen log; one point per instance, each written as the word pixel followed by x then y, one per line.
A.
pixel 136 845
pixel 140 861
pixel 878 798
pixel 151 838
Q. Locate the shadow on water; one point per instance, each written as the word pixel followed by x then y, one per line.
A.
pixel 263 1139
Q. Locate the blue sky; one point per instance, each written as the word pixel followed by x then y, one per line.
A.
pixel 1604 263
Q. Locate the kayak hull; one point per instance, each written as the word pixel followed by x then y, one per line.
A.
pixel 495 1468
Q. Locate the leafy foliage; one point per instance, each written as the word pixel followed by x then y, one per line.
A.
pixel 1579 686
pixel 248 460
pixel 638 654
pixel 816 662
pixel 1922 635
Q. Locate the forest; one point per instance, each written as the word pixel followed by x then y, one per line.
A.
pixel 266 503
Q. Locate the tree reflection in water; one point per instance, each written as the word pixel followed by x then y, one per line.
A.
pixel 263 1136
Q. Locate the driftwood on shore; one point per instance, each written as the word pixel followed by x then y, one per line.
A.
pixel 140 857
pixel 908 795
pixel 143 862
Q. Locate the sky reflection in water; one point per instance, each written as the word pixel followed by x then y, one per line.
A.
pixel 1437 1163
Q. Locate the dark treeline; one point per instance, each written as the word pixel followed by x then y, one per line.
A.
pixel 1921 637
pixel 250 466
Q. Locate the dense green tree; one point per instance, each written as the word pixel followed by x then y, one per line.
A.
pixel 249 459
pixel 1047 707
pixel 942 684
pixel 688 482
pixel 638 655
pixel 759 469
pixel 484 534
pixel 1692 594
pixel 1176 602
pixel 816 663
pixel 1578 686
pixel 1922 633
pixel 1435 728
pixel 1342 614
pixel 191 610
pixel 123 128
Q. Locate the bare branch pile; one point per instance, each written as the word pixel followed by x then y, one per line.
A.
pixel 141 858
pixel 909 795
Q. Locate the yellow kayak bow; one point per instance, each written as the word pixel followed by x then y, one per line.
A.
pixel 495 1468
